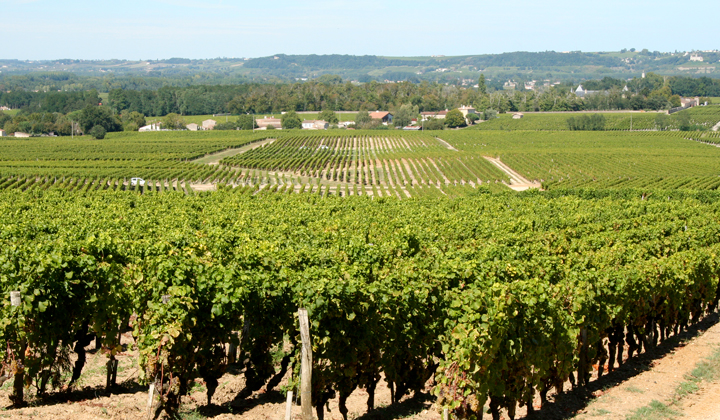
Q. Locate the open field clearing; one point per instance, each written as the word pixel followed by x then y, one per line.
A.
pixel 702 116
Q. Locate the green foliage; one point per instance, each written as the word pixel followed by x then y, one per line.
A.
pixel 173 121
pixel 290 120
pixel 91 116
pixel 489 114
pixel 454 118
pixel 243 122
pixel 392 287
pixel 595 122
pixel 133 120
pixel 482 88
pixel 404 115
pixel 98 132
pixel 434 124
pixel 328 116
pixel 363 117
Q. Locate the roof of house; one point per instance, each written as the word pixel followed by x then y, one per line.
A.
pixel 379 115
pixel 466 107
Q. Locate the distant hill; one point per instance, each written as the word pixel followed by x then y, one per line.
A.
pixel 518 66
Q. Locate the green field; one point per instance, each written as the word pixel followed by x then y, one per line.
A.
pixel 393 163
pixel 703 116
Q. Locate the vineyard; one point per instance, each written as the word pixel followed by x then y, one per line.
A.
pixel 398 164
pixel 649 160
pixel 705 116
pixel 500 298
pixel 493 297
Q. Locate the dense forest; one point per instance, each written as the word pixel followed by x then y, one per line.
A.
pixel 330 92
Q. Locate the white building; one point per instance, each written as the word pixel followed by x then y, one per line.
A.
pixel 2 132
pixel 19 134
pixel 696 57
pixel 151 127
pixel 314 125
pixel 192 127
pixel 208 124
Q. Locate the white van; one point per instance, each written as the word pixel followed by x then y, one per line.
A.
pixel 137 181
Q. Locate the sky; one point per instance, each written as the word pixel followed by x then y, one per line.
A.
pixel 158 29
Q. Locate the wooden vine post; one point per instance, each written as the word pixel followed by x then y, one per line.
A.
pixel 19 380
pixel 306 366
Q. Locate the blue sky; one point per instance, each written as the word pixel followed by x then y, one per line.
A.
pixel 156 29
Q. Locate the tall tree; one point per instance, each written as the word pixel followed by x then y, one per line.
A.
pixel 482 88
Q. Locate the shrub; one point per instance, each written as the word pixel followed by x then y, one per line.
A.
pixel 98 132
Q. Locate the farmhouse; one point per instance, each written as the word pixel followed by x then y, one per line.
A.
pixel 314 125
pixel 696 57
pixel 151 127
pixel 20 134
pixel 466 110
pixel 2 132
pixel 4 108
pixel 580 92
pixel 689 102
pixel 208 124
pixel 264 123
pixel 440 115
pixel 518 115
pixel 383 116
pixel 192 127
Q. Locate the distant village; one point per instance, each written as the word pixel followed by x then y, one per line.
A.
pixel 270 122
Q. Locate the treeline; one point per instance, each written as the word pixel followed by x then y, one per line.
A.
pixel 72 82
pixel 308 96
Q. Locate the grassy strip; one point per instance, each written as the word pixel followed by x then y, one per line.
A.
pixel 706 370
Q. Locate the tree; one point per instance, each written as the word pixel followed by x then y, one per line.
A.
pixel 661 122
pixel 243 122
pixel 132 120
pixel 329 116
pixel 455 118
pixel 98 132
pixel 362 117
pixel 403 116
pixel 173 121
pixel 683 119
pixel 290 120
pixel 472 118
pixel 489 114
pixel 93 115
pixel 482 89
pixel 434 124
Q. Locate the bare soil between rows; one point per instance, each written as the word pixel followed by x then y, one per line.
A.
pixel 651 376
